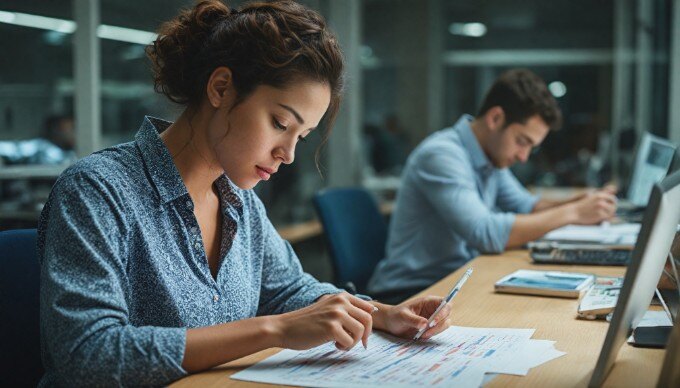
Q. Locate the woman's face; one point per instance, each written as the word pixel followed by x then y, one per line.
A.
pixel 253 139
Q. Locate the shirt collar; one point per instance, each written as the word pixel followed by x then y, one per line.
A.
pixel 164 173
pixel 229 194
pixel 479 160
pixel 159 163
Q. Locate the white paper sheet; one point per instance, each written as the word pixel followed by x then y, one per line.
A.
pixel 459 356
pixel 526 355
pixel 619 234
pixel 655 318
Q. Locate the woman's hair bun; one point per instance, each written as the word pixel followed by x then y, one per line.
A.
pixel 179 42
pixel 274 43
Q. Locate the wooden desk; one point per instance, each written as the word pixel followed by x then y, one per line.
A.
pixel 553 318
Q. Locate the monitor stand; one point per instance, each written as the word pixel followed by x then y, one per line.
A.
pixel 657 336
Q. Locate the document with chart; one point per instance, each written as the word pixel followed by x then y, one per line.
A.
pixel 459 355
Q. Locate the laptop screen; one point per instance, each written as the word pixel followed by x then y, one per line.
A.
pixel 652 160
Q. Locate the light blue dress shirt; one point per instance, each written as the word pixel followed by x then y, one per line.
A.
pixel 452 205
pixel 124 271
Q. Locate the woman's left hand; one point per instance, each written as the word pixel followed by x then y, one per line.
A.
pixel 404 320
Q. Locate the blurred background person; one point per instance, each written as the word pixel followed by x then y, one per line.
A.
pixel 57 146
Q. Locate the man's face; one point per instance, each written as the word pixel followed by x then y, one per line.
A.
pixel 65 134
pixel 514 143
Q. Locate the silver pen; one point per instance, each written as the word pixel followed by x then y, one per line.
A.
pixel 446 300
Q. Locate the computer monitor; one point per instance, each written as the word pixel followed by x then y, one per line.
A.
pixel 652 160
pixel 658 229
pixel 675 166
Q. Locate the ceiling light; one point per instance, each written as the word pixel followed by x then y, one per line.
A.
pixel 125 34
pixel 6 17
pixel 366 51
pixel 557 88
pixel 68 27
pixel 35 21
pixel 474 30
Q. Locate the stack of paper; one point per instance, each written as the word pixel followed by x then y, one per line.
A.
pixel 619 234
pixel 459 356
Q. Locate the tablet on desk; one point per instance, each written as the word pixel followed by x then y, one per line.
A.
pixel 547 283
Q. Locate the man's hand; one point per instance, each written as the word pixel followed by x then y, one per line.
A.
pixel 594 207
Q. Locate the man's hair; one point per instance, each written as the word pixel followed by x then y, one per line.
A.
pixel 522 94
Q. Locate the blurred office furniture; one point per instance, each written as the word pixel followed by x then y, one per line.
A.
pixel 23 192
pixel 355 232
pixel 34 152
pixel 19 308
pixel 388 146
pixel 311 248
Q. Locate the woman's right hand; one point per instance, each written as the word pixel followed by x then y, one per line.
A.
pixel 342 318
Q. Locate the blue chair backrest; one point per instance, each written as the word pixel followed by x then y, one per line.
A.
pixel 355 231
pixel 19 308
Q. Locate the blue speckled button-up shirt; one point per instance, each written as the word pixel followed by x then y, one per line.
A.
pixel 124 272
pixel 452 205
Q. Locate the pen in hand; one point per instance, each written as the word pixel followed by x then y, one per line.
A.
pixel 446 300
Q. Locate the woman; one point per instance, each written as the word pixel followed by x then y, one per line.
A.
pixel 157 259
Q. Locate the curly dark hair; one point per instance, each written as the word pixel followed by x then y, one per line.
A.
pixel 264 43
pixel 522 94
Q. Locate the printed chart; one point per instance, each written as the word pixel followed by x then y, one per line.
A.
pixel 459 355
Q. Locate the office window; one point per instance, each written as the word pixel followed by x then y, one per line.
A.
pixel 36 105
pixel 427 62
pixel 127 84
pixel 36 66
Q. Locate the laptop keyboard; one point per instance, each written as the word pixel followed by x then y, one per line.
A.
pixel 584 256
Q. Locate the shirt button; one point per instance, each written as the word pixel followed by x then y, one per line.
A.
pixel 197 245
pixel 189 204
pixel 216 298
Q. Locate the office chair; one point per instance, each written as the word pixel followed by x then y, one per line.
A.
pixel 19 309
pixel 355 232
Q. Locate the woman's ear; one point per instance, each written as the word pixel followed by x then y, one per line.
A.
pixel 220 88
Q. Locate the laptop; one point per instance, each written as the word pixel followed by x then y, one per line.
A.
pixel 587 244
pixel 653 158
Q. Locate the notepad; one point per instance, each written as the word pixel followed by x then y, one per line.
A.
pixel 601 298
pixel 546 283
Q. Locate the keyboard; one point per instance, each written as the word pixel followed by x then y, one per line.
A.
pixel 630 215
pixel 551 254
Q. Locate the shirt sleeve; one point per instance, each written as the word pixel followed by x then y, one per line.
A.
pixel 285 286
pixel 512 196
pixel 86 336
pixel 448 183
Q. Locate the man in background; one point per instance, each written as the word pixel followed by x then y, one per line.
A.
pixel 458 197
pixel 55 147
